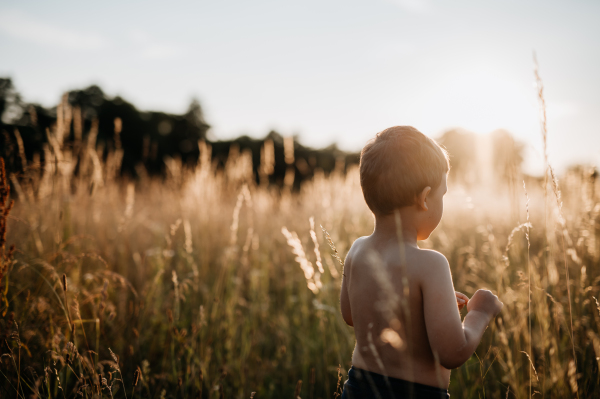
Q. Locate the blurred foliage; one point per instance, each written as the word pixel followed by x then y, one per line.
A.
pixel 146 138
pixel 471 154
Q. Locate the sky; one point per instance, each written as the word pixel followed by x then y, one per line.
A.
pixel 327 70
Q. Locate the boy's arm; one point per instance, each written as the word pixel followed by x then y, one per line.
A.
pixel 453 341
pixel 344 298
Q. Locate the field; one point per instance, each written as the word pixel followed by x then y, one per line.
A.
pixel 207 284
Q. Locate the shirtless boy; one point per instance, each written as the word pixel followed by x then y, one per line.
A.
pixel 400 298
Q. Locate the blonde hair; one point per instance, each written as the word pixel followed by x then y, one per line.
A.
pixel 397 165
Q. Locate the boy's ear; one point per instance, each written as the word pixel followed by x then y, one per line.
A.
pixel 422 198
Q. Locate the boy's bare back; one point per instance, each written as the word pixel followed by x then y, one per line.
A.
pixel 407 355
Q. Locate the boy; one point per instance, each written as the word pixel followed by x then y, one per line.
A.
pixel 399 298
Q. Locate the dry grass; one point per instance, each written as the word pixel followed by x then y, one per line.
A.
pixel 188 288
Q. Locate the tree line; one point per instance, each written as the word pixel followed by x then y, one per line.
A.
pixel 147 138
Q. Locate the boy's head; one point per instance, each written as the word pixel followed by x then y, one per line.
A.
pixel 397 165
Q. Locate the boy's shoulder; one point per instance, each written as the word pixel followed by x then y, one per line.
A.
pixel 357 246
pixel 431 257
pixel 427 266
pixel 359 242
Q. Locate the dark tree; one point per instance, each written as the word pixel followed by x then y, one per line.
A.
pixel 145 137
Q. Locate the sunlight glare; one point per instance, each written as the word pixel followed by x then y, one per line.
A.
pixel 482 102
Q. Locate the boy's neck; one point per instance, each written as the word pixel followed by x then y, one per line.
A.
pixel 385 227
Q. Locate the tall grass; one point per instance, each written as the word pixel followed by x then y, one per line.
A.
pixel 187 287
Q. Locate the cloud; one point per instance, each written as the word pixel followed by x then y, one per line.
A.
pixel 416 6
pixel 153 49
pixel 22 26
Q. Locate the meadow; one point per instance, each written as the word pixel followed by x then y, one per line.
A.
pixel 208 284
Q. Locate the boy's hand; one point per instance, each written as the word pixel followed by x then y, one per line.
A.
pixel 485 301
pixel 461 299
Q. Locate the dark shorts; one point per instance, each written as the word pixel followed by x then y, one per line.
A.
pixel 362 384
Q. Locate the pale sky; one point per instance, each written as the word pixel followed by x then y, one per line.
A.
pixel 327 70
